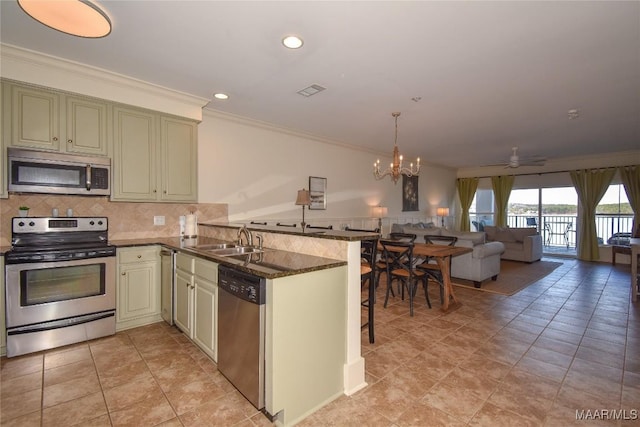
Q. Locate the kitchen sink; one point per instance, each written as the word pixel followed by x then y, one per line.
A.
pixel 216 246
pixel 237 250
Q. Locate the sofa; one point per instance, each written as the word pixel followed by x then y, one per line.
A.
pixel 521 244
pixel 477 266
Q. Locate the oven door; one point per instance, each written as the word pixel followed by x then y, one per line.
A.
pixel 42 292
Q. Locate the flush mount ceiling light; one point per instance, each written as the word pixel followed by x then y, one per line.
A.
pixel 395 169
pixel 573 114
pixel 220 96
pixel 80 18
pixel 292 42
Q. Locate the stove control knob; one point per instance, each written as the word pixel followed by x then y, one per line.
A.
pixel 99 222
pixel 31 224
pixel 21 224
pixel 91 222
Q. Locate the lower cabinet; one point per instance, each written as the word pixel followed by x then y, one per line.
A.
pixel 138 290
pixel 196 301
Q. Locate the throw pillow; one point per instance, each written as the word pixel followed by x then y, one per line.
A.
pixel 503 234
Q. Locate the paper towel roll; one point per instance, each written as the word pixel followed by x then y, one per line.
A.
pixel 191 226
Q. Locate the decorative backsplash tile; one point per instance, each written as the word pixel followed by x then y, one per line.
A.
pixel 126 220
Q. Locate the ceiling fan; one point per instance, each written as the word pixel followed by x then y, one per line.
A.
pixel 516 161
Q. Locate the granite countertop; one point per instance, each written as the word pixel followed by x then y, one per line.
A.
pixel 270 264
pixel 317 233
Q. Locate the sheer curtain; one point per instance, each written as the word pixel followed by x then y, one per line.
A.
pixel 631 180
pixel 466 190
pixel 590 186
pixel 502 186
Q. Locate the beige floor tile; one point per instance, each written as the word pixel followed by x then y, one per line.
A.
pixel 66 355
pixel 187 397
pixel 491 415
pixel 421 414
pixel 453 400
pixel 222 411
pixel 17 405
pixel 150 412
pixel 141 388
pixel 116 375
pixel 33 419
pixel 178 375
pixel 21 365
pixel 69 390
pixel 75 412
pixel 22 384
pixel 68 372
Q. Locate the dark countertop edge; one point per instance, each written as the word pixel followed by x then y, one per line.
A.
pixel 350 236
pixel 175 243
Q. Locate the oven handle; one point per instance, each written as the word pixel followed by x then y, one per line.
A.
pixel 61 323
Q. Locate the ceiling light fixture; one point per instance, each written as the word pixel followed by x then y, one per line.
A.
pixel 80 18
pixel 395 169
pixel 292 42
pixel 222 96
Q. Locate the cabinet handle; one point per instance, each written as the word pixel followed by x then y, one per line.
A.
pixel 192 287
pixel 188 284
pixel 55 138
pixel 165 191
pixel 155 191
pixel 124 274
pixel 69 141
pixel 139 256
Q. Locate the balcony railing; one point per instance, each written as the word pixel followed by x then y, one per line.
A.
pixel 561 230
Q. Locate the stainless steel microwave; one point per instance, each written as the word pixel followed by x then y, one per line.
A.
pixel 32 171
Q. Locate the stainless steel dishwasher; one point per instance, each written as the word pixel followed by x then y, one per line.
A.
pixel 241 318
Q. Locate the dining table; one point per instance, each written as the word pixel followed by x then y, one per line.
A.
pixel 442 254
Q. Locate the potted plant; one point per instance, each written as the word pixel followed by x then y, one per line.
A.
pixel 24 211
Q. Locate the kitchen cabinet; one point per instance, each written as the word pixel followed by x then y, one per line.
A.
pixel 4 137
pixel 196 301
pixel 138 290
pixel 55 121
pixel 154 157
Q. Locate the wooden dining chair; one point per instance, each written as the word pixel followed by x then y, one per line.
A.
pixel 430 266
pixel 369 251
pixel 399 258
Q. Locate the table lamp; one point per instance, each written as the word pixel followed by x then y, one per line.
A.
pixel 379 212
pixel 303 199
pixel 442 212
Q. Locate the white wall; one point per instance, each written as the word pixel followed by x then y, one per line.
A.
pixel 257 170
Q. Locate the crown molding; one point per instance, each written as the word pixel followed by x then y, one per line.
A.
pixel 45 70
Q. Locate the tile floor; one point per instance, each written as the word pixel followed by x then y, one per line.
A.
pixel 570 342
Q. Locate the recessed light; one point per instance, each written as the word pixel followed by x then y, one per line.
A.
pixel 292 42
pixel 80 18
pixel 220 96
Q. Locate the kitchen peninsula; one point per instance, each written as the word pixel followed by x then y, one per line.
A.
pixel 312 310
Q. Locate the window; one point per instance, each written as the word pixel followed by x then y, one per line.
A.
pixel 614 216
pixel 481 210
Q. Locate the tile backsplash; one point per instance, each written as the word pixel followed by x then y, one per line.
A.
pixel 126 220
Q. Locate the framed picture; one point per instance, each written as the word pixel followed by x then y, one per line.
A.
pixel 318 192
pixel 409 193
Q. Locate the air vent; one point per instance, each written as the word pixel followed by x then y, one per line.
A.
pixel 311 90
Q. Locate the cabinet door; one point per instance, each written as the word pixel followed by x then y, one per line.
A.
pixel 86 126
pixel 184 302
pixel 134 163
pixel 35 118
pixel 178 160
pixel 138 294
pixel 204 328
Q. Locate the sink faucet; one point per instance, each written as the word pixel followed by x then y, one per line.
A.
pixel 247 233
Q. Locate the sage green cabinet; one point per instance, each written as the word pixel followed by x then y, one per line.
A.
pixel 154 157
pixel 54 121
pixel 196 301
pixel 138 291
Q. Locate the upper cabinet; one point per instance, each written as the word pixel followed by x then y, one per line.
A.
pixel 154 157
pixel 48 120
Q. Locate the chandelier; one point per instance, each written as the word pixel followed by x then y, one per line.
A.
pixel 395 169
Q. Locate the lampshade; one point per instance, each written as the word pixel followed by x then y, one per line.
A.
pixel 379 211
pixel 442 211
pixel 303 198
pixel 80 18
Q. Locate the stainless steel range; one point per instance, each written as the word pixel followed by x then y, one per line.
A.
pixel 60 283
